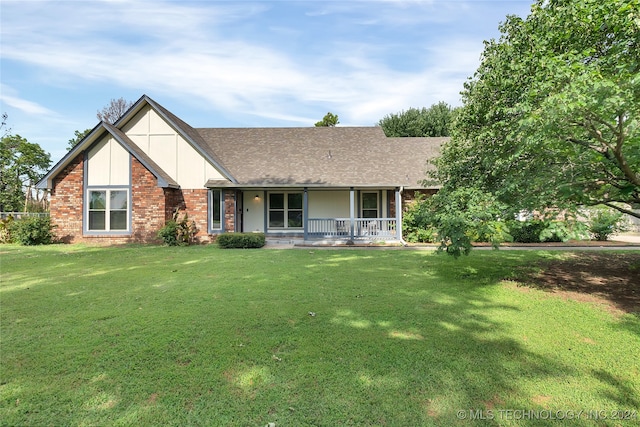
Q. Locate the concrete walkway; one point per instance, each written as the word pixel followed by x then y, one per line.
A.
pixel 627 241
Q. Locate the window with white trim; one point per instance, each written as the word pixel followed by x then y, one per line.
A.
pixel 108 210
pixel 285 210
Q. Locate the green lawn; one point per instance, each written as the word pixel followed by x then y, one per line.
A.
pixel 145 335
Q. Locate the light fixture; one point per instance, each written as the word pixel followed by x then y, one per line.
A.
pixel 257 198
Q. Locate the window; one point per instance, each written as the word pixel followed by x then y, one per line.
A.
pixel 285 210
pixel 108 210
pixel 369 205
pixel 216 209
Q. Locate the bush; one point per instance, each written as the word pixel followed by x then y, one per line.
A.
pixel 527 231
pixel 5 229
pixel 605 222
pixel 178 232
pixel 545 230
pixel 415 222
pixel 241 240
pixel 32 231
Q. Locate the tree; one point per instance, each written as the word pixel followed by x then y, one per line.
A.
pixel 433 121
pixel 22 164
pixel 3 125
pixel 551 117
pixel 329 120
pixel 112 112
pixel 78 136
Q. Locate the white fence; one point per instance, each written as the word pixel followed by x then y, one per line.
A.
pixel 18 215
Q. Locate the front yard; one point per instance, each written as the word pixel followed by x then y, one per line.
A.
pixel 147 335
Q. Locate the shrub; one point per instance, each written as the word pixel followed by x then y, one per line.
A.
pixel 178 232
pixel 241 240
pixel 5 229
pixel 604 222
pixel 527 231
pixel 32 231
pixel 546 230
pixel 415 222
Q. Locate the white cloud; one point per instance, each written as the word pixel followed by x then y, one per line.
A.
pixel 23 105
pixel 267 62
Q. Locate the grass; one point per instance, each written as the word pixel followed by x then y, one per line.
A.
pixel 144 335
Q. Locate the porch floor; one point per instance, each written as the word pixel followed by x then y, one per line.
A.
pixel 337 242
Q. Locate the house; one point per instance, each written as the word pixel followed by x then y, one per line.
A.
pixel 122 182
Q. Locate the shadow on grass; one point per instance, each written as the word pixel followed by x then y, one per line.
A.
pixel 151 335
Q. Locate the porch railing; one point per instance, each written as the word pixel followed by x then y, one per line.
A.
pixel 363 228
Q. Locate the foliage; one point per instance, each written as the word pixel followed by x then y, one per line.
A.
pixel 541 230
pixel 178 231
pixel 5 229
pixel 32 230
pixel 329 120
pixel 112 112
pixel 22 165
pixel 569 227
pixel 433 121
pixel 4 129
pixel 241 240
pixel 415 222
pixel 464 216
pixel 150 335
pixel 605 222
pixel 551 117
pixel 78 136
pixel 527 231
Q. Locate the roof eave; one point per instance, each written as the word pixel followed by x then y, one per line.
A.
pixel 47 181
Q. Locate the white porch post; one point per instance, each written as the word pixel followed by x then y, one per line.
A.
pixel 352 212
pixel 398 215
pixel 305 213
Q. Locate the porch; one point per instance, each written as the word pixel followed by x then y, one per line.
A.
pixel 353 229
pixel 335 215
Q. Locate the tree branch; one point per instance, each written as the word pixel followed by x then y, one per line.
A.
pixel 623 210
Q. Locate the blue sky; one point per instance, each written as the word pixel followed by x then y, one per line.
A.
pixel 236 63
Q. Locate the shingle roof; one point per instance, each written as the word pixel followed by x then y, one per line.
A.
pixel 321 156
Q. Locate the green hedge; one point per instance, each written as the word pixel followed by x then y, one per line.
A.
pixel 241 240
pixel 29 231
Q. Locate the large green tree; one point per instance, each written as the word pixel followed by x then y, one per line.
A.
pixel 22 164
pixel 433 121
pixel 551 116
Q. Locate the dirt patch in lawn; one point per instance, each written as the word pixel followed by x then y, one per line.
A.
pixel 609 278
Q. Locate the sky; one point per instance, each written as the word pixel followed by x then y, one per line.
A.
pixel 236 63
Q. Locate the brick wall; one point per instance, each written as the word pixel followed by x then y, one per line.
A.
pixel 194 203
pixel 147 205
pixel 66 201
pixel 151 206
pixel 229 210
